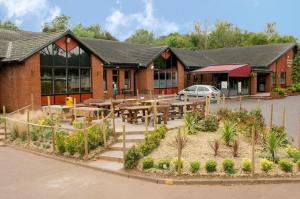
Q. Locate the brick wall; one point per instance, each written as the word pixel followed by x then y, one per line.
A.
pixel 145 79
pixel 97 77
pixel 18 81
pixel 181 76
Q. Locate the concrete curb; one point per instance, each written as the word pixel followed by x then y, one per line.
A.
pixel 171 181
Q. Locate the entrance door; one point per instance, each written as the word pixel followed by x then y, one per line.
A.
pixel 261 83
pixel 115 84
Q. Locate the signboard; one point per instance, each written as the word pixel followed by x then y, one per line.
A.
pixel 289 62
pixel 223 84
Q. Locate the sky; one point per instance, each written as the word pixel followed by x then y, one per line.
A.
pixel 123 17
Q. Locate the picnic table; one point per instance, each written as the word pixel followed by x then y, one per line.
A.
pixel 88 112
pixel 133 112
pixel 61 110
pixel 180 106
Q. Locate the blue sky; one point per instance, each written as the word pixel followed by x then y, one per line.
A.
pixel 122 17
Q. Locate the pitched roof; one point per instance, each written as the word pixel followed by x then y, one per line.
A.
pixel 256 56
pixel 124 53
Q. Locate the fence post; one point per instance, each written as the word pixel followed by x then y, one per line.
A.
pixel 147 123
pixel 283 117
pixel 86 152
pixel 258 103
pixel 223 98
pixel 253 152
pixel 240 103
pixel 49 106
pixel 32 102
pixel 271 116
pixel 103 130
pixel 53 137
pixel 5 122
pixel 150 94
pixel 179 150
pixel 155 115
pixel 75 112
pixel 124 141
pixel 206 105
pixel 28 128
pixel 185 101
pixel 113 116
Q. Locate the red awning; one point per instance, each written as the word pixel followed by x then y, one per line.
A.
pixel 233 70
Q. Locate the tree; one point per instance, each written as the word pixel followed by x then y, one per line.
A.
pixel 253 38
pixel 296 68
pixel 199 38
pixel 58 24
pixel 141 36
pixel 9 25
pixel 92 31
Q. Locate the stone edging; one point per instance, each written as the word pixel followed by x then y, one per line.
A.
pixel 171 181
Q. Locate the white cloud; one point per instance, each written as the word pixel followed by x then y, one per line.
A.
pixel 17 10
pixel 145 19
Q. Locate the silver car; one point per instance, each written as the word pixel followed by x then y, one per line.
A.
pixel 200 91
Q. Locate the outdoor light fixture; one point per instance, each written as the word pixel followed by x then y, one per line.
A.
pixel 68 40
pixel 152 67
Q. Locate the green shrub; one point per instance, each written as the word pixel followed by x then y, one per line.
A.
pixel 132 157
pixel 275 140
pixel 279 90
pixel 224 113
pixel 266 165
pixel 177 164
pixel 296 87
pixel 191 124
pixel 148 163
pixel 209 124
pixel 229 131
pixel 164 164
pixel 286 165
pixel 246 165
pixel 74 142
pixel 293 153
pixel 194 166
pixel 151 142
pixel 210 166
pixel 228 166
pixel 60 142
pixel 298 164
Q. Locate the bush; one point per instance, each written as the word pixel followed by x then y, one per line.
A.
pixel 74 142
pixel 228 166
pixel 229 131
pixel 286 165
pixel 298 164
pixel 177 164
pixel 151 142
pixel 191 124
pixel 164 164
pixel 60 142
pixel 194 166
pixel 132 157
pixel 246 165
pixel 211 166
pixel 266 165
pixel 148 163
pixel 296 87
pixel 275 140
pixel 279 90
pixel 209 124
pixel 293 153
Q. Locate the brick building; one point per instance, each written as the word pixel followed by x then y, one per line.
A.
pixel 60 65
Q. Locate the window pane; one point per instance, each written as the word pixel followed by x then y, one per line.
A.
pixel 169 79
pixel 73 81
pixel 84 58
pixel 46 56
pixel 85 80
pixel 60 81
pixel 127 80
pixel 46 81
pixel 73 57
pixel 59 56
pixel 162 82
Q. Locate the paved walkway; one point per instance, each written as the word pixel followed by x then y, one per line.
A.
pixel 291 103
pixel 24 175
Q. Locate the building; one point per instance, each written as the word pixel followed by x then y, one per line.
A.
pixel 60 65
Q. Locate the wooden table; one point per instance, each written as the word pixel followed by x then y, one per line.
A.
pixel 180 106
pixel 134 110
pixel 61 110
pixel 88 112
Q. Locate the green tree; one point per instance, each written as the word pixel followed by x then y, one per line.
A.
pixel 253 38
pixel 200 36
pixel 58 24
pixel 296 68
pixel 141 36
pixel 9 25
pixel 92 31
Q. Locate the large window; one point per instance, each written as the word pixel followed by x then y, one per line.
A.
pixel 65 68
pixel 165 72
